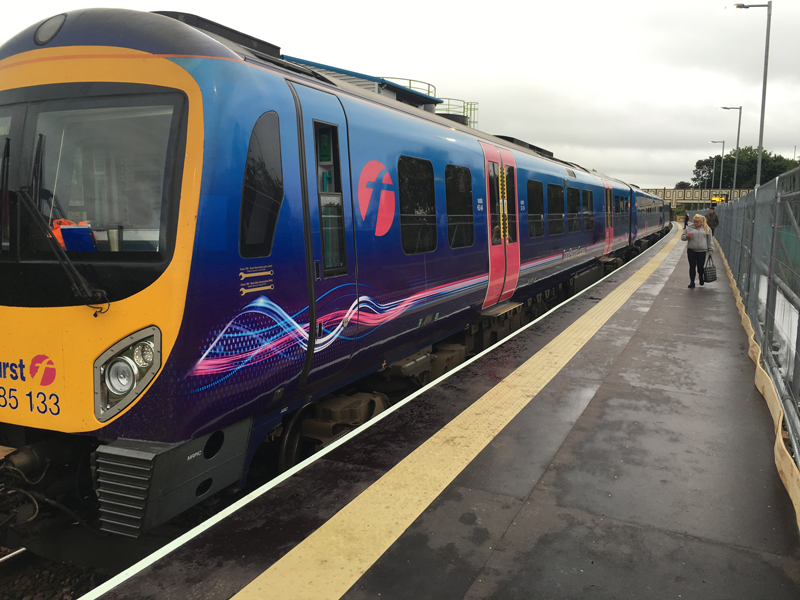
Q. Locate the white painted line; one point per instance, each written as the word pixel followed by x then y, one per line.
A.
pixel 189 535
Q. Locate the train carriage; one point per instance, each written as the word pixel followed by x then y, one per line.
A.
pixel 203 245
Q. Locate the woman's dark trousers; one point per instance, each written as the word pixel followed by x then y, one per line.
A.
pixel 696 262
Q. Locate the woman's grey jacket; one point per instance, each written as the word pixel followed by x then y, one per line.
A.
pixel 700 242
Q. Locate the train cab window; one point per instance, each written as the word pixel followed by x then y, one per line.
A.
pixel 555 209
pixel 535 209
pixel 574 209
pixel 417 205
pixel 262 191
pixel 458 196
pixel 588 213
pixel 331 205
pixel 511 204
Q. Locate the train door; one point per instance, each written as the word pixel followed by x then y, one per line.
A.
pixel 502 224
pixel 609 217
pixel 623 229
pixel 328 215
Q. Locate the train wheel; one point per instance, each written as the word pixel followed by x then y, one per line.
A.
pixel 294 447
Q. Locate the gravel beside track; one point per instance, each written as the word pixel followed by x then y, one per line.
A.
pixel 28 577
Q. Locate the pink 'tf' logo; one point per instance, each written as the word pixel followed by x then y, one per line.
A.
pixel 47 367
pixel 375 177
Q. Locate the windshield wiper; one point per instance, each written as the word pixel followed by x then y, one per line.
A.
pixel 81 288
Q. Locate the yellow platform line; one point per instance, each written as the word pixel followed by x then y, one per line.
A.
pixel 333 558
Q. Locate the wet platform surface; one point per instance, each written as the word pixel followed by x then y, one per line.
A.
pixel 643 469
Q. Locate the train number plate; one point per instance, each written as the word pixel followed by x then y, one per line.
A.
pixel 34 402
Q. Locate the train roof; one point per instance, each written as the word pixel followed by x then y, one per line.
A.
pixel 173 33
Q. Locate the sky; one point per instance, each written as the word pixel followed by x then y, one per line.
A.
pixel 631 88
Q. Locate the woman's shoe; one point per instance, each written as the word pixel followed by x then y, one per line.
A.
pixel 691 285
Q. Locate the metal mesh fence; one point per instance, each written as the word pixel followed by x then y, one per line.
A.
pixel 760 236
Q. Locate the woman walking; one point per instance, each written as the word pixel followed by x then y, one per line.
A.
pixel 698 235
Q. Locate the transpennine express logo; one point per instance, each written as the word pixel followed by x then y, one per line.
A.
pixel 43 370
pixel 375 184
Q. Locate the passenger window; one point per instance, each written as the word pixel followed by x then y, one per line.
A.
pixel 588 213
pixel 331 205
pixel 574 209
pixel 511 203
pixel 555 209
pixel 417 205
pixel 458 195
pixel 535 209
pixel 262 191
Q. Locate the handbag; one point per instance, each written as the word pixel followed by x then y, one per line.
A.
pixel 710 271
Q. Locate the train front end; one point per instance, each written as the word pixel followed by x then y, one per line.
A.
pixel 102 143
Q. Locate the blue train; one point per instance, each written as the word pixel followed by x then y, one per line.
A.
pixel 204 246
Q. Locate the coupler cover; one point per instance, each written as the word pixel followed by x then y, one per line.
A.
pixel 141 484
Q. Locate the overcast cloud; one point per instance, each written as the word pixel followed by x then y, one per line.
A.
pixel 631 88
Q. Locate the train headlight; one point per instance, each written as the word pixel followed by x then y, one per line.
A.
pixel 144 354
pixel 121 375
pixel 123 371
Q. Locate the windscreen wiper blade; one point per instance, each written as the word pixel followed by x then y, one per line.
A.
pixel 80 287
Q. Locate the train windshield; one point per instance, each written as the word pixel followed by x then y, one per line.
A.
pixel 95 168
pixel 101 172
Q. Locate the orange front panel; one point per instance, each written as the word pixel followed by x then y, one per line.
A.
pixel 54 349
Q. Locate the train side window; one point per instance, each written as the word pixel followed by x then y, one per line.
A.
pixel 616 204
pixel 458 197
pixel 535 209
pixel 511 203
pixel 555 209
pixel 262 190
pixel 331 205
pixel 574 209
pixel 588 213
pixel 417 205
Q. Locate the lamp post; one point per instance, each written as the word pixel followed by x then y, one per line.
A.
pixel 768 6
pixel 736 162
pixel 713 171
pixel 721 164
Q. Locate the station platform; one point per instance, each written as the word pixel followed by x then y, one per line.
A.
pixel 616 448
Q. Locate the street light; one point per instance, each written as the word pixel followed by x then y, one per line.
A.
pixel 736 163
pixel 768 6
pixel 721 164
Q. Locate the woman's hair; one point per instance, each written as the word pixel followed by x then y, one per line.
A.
pixel 705 225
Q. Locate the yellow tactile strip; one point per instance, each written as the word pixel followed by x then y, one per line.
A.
pixel 329 561
pixel 787 469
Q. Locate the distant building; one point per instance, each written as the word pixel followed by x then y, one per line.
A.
pixel 696 199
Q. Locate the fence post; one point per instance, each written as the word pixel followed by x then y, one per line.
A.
pixel 772 295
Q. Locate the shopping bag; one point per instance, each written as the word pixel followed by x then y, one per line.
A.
pixel 710 271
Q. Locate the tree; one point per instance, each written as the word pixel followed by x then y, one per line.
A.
pixel 772 165
pixel 683 185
